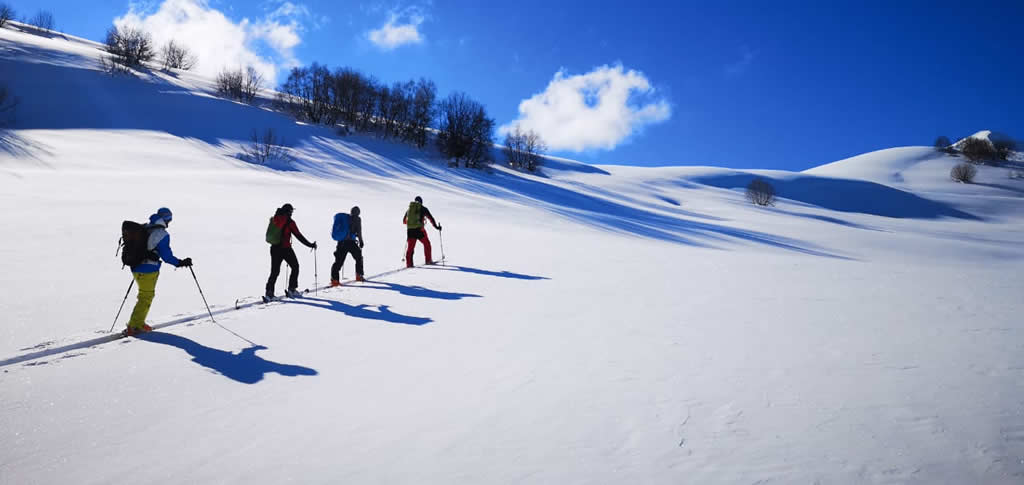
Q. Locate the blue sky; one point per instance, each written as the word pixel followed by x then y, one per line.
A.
pixel 786 85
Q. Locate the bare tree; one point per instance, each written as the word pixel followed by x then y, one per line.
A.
pixel 524 149
pixel 760 192
pixel 177 56
pixel 229 83
pixel 129 46
pixel 977 150
pixel 42 20
pixel 6 13
pixel 367 94
pixel 240 84
pixel 421 112
pixel 393 108
pixel 252 82
pixel 266 147
pixel 963 173
pixel 307 94
pixel 465 133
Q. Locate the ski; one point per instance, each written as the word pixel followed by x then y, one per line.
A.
pixel 296 294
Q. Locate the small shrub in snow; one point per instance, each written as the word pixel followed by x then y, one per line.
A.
pixel 6 13
pixel 977 150
pixel 129 46
pixel 524 150
pixel 760 192
pixel 942 143
pixel 240 84
pixel 963 173
pixel 266 148
pixel 177 56
pixel 42 20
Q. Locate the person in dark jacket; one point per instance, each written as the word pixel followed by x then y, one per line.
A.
pixel 283 251
pixel 415 224
pixel 147 272
pixel 349 245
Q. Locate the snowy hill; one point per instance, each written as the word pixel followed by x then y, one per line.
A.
pixel 592 325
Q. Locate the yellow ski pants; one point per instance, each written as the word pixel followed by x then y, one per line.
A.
pixel 147 290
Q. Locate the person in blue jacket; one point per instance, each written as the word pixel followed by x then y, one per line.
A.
pixel 147 272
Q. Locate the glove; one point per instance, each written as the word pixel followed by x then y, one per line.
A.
pixel 314 245
pixel 360 244
pixel 438 227
pixel 185 263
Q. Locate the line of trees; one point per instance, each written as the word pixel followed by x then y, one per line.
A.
pixel 132 48
pixel 403 110
pixel 408 111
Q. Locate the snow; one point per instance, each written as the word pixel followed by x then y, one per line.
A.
pixel 592 325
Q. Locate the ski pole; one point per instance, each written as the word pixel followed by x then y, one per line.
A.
pixel 201 294
pixel 440 234
pixel 122 305
pixel 232 332
pixel 316 277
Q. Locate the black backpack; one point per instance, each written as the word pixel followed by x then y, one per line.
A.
pixel 135 244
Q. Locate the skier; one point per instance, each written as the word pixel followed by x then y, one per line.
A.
pixel 347 228
pixel 416 230
pixel 279 235
pixel 147 272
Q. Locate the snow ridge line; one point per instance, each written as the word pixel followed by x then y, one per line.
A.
pixel 110 337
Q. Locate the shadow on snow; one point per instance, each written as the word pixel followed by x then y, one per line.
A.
pixel 415 291
pixel 484 272
pixel 245 367
pixel 383 312
pixel 845 195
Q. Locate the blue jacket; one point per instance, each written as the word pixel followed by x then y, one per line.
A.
pixel 159 241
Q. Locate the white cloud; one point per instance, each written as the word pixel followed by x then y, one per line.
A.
pixel 600 109
pixel 267 44
pixel 400 29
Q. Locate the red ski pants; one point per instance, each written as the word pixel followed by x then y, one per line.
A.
pixel 419 234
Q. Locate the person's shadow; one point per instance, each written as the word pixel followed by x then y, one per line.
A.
pixel 245 367
pixel 415 291
pixel 484 272
pixel 383 312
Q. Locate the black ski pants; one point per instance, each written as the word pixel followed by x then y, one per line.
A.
pixel 278 254
pixel 345 247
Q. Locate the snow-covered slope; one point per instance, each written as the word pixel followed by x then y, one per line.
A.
pixel 593 325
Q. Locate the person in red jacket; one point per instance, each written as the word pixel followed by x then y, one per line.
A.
pixel 283 251
pixel 416 230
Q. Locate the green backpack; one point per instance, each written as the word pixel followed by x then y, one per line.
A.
pixel 274 234
pixel 413 219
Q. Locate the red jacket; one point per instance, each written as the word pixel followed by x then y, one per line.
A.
pixel 288 227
